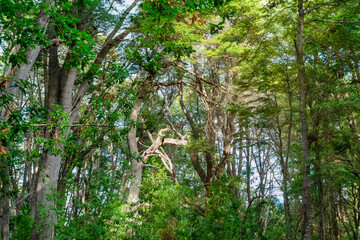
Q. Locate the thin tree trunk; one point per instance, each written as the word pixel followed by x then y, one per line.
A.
pixel 284 171
pixel 319 184
pixel 289 230
pixel 5 200
pixel 248 170
pixel 307 219
pixel 333 215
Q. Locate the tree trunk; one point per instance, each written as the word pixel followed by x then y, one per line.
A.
pixel 333 215
pixel 248 169
pixel 136 162
pixel 59 86
pixel 45 216
pixel 284 170
pixel 307 220
pixel 319 184
pixel 4 200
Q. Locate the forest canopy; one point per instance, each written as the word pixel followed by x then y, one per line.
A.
pixel 179 119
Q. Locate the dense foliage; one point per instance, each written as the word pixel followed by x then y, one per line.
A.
pixel 179 119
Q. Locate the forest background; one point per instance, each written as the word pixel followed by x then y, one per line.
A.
pixel 179 119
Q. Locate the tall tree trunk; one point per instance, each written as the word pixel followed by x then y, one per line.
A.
pixel 4 199
pixel 248 168
pixel 307 219
pixel 48 173
pixel 136 162
pixel 285 161
pixel 284 170
pixel 334 232
pixel 320 204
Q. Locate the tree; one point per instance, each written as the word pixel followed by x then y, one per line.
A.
pixel 189 119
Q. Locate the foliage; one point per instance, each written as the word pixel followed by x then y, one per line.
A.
pixel 218 76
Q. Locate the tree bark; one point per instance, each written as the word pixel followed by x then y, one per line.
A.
pixel 136 162
pixel 284 171
pixel 46 182
pixel 45 216
pixel 320 204
pixel 334 231
pixel 307 214
pixel 4 200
